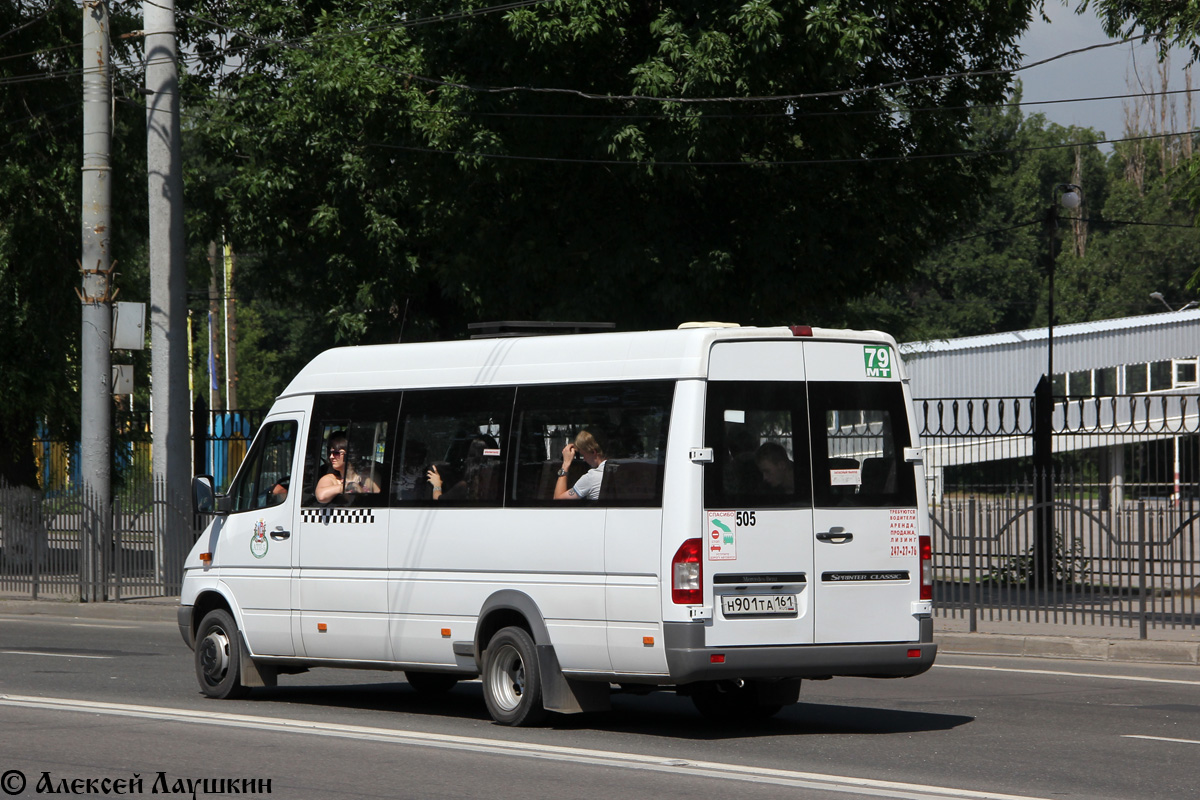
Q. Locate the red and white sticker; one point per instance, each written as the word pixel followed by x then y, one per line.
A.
pixel 902 527
pixel 721 543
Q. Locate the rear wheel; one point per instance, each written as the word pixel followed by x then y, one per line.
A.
pixel 218 656
pixel 727 701
pixel 431 682
pixel 512 682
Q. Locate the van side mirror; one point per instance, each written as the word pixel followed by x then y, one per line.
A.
pixel 204 496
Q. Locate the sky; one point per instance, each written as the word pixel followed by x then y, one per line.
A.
pixel 1102 72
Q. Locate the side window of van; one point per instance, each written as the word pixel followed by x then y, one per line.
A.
pixel 758 433
pixel 462 433
pixel 348 460
pixel 860 431
pixel 628 421
pixel 265 477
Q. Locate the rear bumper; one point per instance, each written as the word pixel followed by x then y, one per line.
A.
pixel 689 660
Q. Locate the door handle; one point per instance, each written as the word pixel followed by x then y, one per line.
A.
pixel 835 536
pixel 279 534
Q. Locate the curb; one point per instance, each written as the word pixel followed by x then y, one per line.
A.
pixel 157 610
pixel 1070 647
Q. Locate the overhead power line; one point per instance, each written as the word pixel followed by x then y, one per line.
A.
pixel 752 162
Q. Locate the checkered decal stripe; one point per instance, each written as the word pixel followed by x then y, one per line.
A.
pixel 337 516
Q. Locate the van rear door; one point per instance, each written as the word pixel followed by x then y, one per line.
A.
pixel 758 522
pixel 866 556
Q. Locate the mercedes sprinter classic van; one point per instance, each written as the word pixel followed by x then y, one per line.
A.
pixel 747 512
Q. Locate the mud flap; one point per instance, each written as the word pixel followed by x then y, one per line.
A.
pixel 567 696
pixel 254 675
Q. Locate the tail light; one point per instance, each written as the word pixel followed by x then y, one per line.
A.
pixel 926 547
pixel 801 330
pixel 687 574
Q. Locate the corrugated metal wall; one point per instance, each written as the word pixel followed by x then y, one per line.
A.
pixel 1010 364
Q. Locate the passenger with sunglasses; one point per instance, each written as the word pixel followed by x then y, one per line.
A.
pixel 342 477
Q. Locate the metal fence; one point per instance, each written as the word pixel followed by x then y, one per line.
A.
pixel 70 544
pixel 1122 544
pixel 1123 549
pixel 220 438
pixel 61 541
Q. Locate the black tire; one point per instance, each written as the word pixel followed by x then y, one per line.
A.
pixel 431 682
pixel 218 656
pixel 728 702
pixel 512 681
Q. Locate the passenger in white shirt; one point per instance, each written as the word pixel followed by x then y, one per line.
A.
pixel 588 486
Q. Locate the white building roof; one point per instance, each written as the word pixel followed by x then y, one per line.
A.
pixel 1010 364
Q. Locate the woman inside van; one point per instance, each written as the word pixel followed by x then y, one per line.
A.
pixel 342 478
pixel 478 480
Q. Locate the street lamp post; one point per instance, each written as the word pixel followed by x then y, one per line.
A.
pixel 1159 297
pixel 1071 196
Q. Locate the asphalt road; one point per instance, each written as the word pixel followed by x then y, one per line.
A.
pixel 89 699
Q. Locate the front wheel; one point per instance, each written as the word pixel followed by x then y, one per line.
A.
pixel 219 656
pixel 512 682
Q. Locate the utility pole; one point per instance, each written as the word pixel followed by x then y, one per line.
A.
pixel 168 286
pixel 95 354
pixel 214 308
pixel 231 380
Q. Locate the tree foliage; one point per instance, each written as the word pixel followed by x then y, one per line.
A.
pixel 40 239
pixel 625 161
pixel 1132 236
pixel 1169 25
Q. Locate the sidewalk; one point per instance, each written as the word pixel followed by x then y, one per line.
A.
pixel 1060 640
pixel 160 609
pixel 993 638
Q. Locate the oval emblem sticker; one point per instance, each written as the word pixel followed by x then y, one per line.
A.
pixel 258 542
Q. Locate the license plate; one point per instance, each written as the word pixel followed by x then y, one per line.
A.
pixel 733 605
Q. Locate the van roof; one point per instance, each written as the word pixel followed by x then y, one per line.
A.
pixel 572 358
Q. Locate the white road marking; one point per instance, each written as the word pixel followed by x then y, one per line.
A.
pixel 41 620
pixel 1063 673
pixel 604 758
pixel 48 655
pixel 1159 738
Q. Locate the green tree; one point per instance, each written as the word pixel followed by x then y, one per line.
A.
pixel 992 271
pixel 757 161
pixel 1169 25
pixel 41 115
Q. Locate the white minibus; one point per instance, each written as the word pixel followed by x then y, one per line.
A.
pixel 742 512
